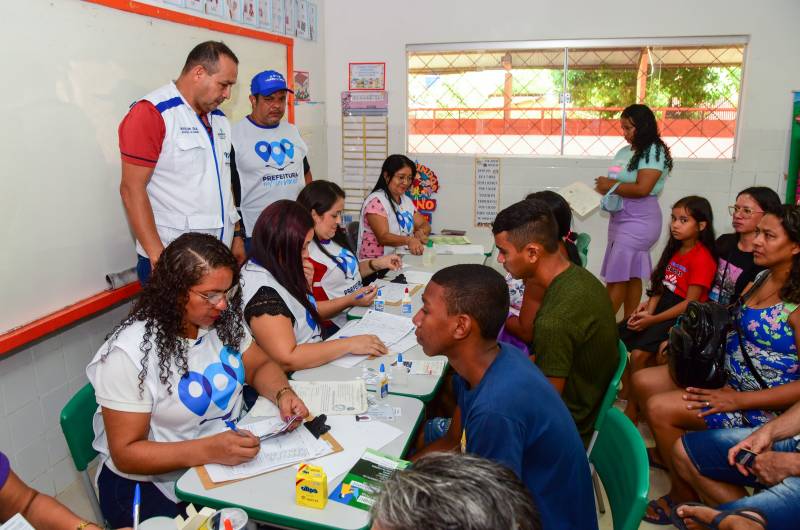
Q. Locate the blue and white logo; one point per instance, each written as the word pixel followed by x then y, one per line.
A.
pixel 281 153
pixel 347 262
pixel 216 384
pixel 406 221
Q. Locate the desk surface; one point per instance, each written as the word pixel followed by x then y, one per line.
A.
pixel 270 498
pixel 423 387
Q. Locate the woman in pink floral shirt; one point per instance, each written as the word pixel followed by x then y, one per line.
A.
pixel 389 221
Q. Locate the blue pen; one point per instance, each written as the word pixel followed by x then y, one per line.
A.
pixel 359 296
pixel 137 498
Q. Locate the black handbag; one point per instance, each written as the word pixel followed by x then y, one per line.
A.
pixel 697 343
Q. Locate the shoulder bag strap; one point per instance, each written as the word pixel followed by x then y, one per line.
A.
pixel 747 360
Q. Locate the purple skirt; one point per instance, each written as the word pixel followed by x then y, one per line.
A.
pixel 632 232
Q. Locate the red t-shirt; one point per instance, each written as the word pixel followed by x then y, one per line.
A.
pixel 141 134
pixel 696 267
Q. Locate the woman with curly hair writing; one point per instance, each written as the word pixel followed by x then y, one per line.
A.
pixel 171 375
pixel 761 362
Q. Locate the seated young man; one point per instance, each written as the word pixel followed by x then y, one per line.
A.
pixel 574 332
pixel 708 461
pixel 507 411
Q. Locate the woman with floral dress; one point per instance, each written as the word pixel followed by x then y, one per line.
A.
pixel 769 325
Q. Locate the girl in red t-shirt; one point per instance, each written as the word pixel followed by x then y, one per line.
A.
pixel 684 273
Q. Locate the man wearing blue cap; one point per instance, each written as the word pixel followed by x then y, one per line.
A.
pixel 269 156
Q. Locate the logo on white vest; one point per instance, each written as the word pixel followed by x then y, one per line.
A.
pixel 276 154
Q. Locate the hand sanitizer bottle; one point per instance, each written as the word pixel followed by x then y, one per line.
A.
pixel 405 309
pixel 428 254
pixel 378 303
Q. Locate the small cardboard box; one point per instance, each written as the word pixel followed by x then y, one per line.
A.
pixel 311 487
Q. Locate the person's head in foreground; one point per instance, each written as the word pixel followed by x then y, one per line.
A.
pixel 526 234
pixel 448 491
pixel 463 304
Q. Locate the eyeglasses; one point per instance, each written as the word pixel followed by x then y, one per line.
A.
pixel 215 297
pixel 744 210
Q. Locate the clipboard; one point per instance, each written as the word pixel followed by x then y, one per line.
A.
pixel 411 292
pixel 209 484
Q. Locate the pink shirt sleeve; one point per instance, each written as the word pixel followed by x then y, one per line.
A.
pixel 375 206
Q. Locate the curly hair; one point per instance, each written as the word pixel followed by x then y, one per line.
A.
pixel 789 216
pixel 645 135
pixel 700 210
pixel 162 302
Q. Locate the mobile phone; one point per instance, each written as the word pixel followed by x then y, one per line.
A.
pixel 745 458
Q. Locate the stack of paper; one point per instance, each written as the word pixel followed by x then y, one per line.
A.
pixel 393 292
pixel 459 249
pixel 332 397
pixel 275 453
pixel 390 329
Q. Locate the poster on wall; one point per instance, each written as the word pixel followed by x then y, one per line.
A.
pixel 487 190
pixel 215 8
pixel 277 16
pixel 301 16
pixel 313 28
pixel 234 10
pixel 264 14
pixel 196 5
pixel 288 17
pixel 250 13
pixel 367 76
pixel 425 184
pixel 301 84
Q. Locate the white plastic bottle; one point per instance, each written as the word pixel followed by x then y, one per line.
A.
pixel 405 309
pixel 399 372
pixel 383 385
pixel 428 254
pixel 378 303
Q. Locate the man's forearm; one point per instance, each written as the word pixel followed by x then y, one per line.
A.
pixel 786 425
pixel 142 222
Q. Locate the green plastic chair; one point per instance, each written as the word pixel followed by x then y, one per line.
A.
pixel 582 242
pixel 76 424
pixel 606 405
pixel 620 458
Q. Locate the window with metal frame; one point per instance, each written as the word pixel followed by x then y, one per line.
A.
pixel 564 98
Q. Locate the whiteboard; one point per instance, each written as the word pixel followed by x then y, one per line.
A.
pixel 71 70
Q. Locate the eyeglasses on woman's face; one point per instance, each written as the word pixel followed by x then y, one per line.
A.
pixel 745 211
pixel 215 297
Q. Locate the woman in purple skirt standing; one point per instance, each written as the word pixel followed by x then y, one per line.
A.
pixel 640 169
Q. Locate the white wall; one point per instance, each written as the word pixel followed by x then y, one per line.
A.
pixel 353 33
pixel 36 381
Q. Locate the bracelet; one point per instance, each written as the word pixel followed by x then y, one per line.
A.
pixel 371 267
pixel 280 394
pixel 84 524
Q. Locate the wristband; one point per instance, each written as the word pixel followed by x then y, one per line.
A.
pixel 280 394
pixel 83 524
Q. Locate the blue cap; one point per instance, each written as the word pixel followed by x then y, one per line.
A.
pixel 268 82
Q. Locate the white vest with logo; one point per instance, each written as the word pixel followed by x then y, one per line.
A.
pixel 341 277
pixel 190 190
pixel 269 161
pixel 400 224
pixel 201 400
pixel 254 276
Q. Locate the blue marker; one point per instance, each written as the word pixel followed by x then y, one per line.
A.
pixel 137 498
pixel 231 425
pixel 359 296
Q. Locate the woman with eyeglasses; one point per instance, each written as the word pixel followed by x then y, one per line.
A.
pixel 735 267
pixel 279 305
pixel 389 222
pixel 171 376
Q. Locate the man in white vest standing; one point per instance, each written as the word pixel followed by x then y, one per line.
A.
pixel 269 159
pixel 175 145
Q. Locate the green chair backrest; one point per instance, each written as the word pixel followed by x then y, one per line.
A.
pixel 582 243
pixel 613 387
pixel 76 423
pixel 620 459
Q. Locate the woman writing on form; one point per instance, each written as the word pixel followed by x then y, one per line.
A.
pixel 171 375
pixel 337 283
pixel 279 307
